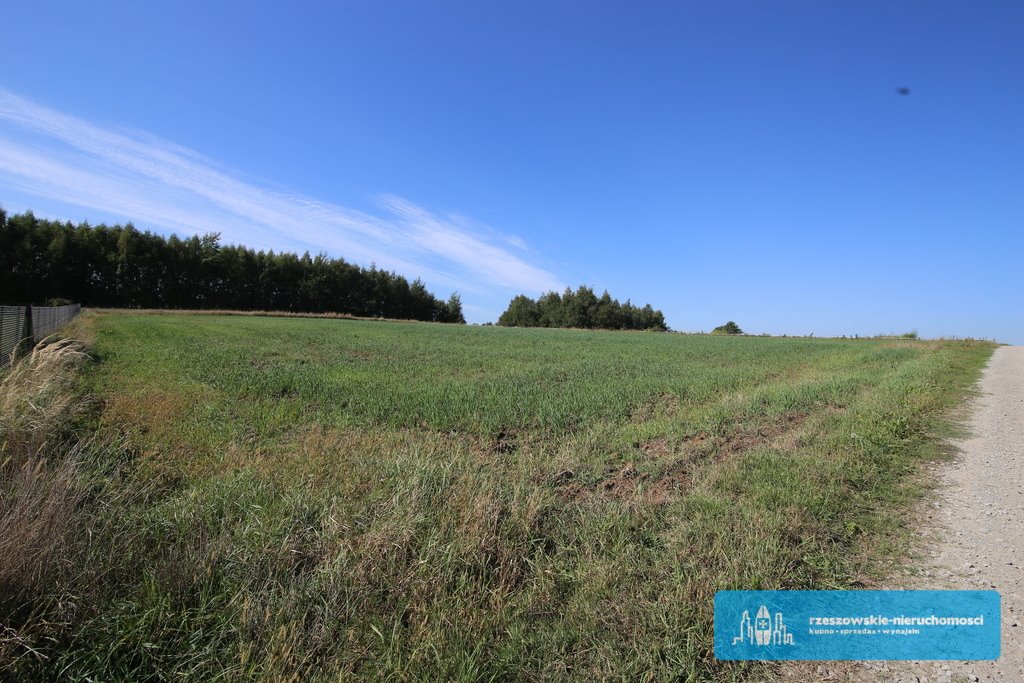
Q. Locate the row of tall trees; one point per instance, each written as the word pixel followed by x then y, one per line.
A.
pixel 582 309
pixel 120 266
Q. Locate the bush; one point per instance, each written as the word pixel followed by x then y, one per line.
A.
pixel 728 328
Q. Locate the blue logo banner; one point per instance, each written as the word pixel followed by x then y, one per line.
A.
pixel 857 624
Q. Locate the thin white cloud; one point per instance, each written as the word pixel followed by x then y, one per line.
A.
pixel 474 254
pixel 157 183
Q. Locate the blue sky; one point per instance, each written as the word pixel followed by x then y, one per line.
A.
pixel 721 160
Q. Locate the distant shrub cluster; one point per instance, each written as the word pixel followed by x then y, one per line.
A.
pixel 582 309
pixel 728 328
pixel 119 266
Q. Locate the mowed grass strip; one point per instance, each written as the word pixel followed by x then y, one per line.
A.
pixel 325 499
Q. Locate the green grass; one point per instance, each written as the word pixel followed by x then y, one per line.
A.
pixel 325 499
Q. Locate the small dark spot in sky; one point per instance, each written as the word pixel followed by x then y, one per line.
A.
pixel 903 91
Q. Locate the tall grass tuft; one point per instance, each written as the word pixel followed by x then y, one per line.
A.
pixel 40 489
pixel 36 403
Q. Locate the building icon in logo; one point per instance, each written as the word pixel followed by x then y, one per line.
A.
pixel 761 630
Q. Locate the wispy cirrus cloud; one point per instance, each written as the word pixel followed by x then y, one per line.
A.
pixel 159 184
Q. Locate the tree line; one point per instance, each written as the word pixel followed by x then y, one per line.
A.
pixel 120 266
pixel 582 309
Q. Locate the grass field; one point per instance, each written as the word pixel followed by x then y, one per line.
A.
pixel 331 499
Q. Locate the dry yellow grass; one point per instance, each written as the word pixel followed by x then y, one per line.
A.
pixel 39 487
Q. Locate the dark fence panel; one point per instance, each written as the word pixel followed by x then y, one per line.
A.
pixel 26 325
pixel 13 330
pixel 48 319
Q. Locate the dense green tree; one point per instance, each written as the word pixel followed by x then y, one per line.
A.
pixel 120 266
pixel 451 310
pixel 522 312
pixel 728 328
pixel 607 314
pixel 550 312
pixel 582 309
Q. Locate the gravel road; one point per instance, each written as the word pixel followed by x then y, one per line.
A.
pixel 976 539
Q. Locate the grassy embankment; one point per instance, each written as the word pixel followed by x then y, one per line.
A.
pixel 260 497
